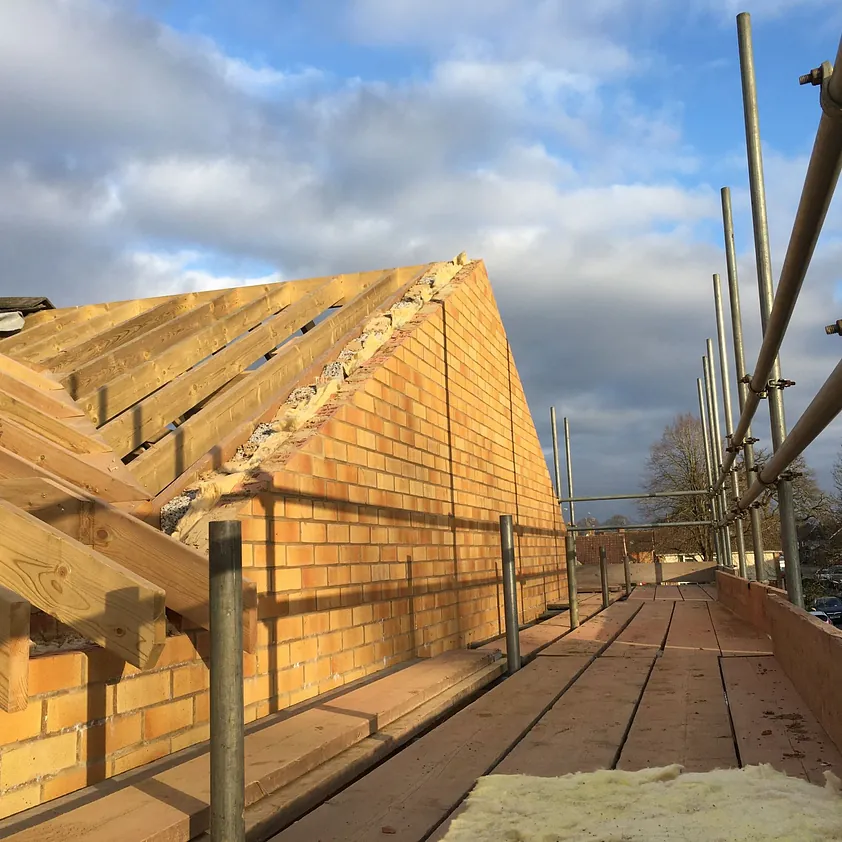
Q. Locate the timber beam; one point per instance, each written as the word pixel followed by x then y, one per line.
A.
pixel 81 587
pixel 14 651
pixel 179 570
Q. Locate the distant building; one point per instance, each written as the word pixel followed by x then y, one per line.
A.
pixel 640 547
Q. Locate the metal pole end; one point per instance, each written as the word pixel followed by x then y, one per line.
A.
pixel 814 77
pixel 834 329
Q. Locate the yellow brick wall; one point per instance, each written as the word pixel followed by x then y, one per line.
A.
pixel 374 540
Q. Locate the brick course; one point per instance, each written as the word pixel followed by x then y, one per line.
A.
pixel 373 539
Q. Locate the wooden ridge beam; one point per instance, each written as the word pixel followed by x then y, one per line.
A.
pixel 165 461
pixel 82 588
pixel 14 651
pixel 100 474
pixel 179 570
pixel 135 426
pixel 109 340
pixel 41 317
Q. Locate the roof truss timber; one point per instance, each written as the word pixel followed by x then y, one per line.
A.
pixel 159 381
pixel 81 587
pixel 104 407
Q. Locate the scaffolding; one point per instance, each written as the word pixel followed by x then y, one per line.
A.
pixel 729 505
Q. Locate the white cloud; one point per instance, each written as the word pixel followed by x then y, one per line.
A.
pixel 159 273
pixel 131 155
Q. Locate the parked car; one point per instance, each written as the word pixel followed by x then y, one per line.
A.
pixel 831 605
pixel 820 615
pixel 831 575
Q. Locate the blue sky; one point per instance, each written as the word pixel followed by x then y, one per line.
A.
pixel 153 146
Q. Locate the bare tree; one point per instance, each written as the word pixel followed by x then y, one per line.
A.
pixel 617 520
pixel 815 512
pixel 677 463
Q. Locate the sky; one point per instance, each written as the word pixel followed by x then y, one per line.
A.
pixel 160 146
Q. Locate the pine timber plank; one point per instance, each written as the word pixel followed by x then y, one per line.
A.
pixel 537 637
pixel 82 588
pixel 280 809
pixel 264 412
pixel 116 380
pixel 60 431
pixel 181 571
pixel 668 592
pixel 14 651
pixel 165 461
pixel 172 806
pixel 585 729
pixel 643 592
pixel 64 322
pixel 52 502
pixel 773 724
pixel 99 474
pixel 711 591
pixel 169 309
pixel 133 427
pixel 41 317
pixel 735 636
pixel 13 466
pixel 35 379
pixel 683 717
pixel 412 792
pixel 67 335
pixel 693 592
pixel 645 634
pixel 692 629
pixel 594 635
pixel 104 385
pixel 55 401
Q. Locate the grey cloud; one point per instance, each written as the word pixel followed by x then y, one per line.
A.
pixel 604 290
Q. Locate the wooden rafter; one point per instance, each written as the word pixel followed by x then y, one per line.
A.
pixel 172 308
pixel 88 383
pixel 56 402
pixel 101 474
pixel 200 333
pixel 70 330
pixel 39 326
pixel 129 430
pixel 165 461
pixel 25 374
pixel 82 588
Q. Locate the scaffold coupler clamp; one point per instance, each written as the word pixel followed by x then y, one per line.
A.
pixel 830 106
pixel 746 378
pixel 780 384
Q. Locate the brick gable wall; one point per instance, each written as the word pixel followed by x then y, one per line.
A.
pixel 373 541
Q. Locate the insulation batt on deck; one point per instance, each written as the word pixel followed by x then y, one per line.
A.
pixel 652 805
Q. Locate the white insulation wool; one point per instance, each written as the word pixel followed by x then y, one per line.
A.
pixel 752 804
